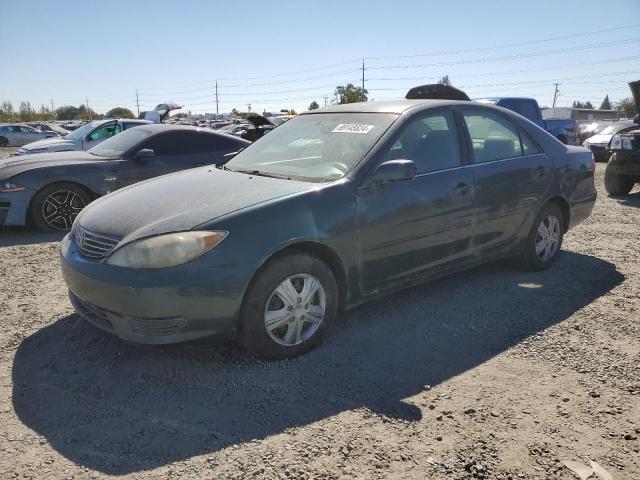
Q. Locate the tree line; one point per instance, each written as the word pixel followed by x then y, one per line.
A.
pixel 27 113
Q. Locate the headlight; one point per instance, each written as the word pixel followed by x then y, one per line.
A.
pixel 8 186
pixel 616 142
pixel 165 250
pixel 627 144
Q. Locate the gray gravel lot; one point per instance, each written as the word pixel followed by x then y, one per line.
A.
pixel 491 373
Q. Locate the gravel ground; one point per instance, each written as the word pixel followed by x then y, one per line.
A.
pixel 492 373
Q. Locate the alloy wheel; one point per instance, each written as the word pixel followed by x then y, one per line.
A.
pixel 61 208
pixel 295 310
pixel 547 238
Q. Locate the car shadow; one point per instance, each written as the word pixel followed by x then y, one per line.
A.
pixel 13 236
pixel 630 200
pixel 120 408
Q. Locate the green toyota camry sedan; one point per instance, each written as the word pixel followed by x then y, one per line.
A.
pixel 331 209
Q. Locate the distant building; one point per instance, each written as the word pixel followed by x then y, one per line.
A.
pixel 580 114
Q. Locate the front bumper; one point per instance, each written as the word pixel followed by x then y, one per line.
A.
pixel 600 153
pixel 625 162
pixel 153 306
pixel 14 207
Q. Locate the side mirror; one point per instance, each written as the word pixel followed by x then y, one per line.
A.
pixel 636 119
pixel 393 171
pixel 144 153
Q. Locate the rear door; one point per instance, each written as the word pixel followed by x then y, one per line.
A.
pixel 512 176
pixel 408 228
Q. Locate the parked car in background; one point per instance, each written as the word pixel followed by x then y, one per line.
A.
pixel 599 142
pixel 280 119
pixel 16 135
pixel 83 138
pixel 50 189
pixel 257 128
pixel 48 127
pixel 623 169
pixel 565 130
pixel 332 208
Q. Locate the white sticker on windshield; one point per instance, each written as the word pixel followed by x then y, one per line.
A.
pixel 352 128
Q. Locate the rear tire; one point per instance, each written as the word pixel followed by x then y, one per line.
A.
pixel 4 142
pixel 617 184
pixel 545 239
pixel 55 207
pixel 297 296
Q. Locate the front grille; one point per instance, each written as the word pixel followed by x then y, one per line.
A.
pixel 93 245
pixel 156 326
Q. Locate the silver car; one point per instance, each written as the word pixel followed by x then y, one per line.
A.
pixel 83 138
pixel 18 135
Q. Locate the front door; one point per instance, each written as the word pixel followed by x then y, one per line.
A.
pixel 409 228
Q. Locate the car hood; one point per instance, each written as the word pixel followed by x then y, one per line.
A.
pixel 53 144
pixel 12 166
pixel 181 201
pixel 599 138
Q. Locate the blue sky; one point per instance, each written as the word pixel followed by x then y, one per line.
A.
pixel 284 54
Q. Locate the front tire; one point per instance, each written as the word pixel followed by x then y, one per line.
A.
pixel 55 207
pixel 4 142
pixel 289 307
pixel 617 184
pixel 545 239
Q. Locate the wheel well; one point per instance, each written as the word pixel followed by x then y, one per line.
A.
pixel 564 208
pixel 323 253
pixel 89 192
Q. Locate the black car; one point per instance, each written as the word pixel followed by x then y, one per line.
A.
pixel 623 169
pixel 50 189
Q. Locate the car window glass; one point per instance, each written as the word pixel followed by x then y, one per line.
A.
pixel 430 141
pixel 166 144
pixel 128 125
pixel 106 131
pixel 493 137
pixel 526 109
pixel 528 147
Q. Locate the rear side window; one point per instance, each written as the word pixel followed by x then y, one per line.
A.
pixel 431 141
pixel 526 109
pixel 493 137
pixel 128 125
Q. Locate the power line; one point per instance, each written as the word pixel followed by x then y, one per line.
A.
pixel 509 45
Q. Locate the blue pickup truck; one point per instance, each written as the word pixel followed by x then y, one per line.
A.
pixel 565 130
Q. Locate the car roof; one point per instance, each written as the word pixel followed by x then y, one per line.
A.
pixel 387 106
pixel 496 99
pixel 156 128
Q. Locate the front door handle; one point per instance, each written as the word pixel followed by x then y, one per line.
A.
pixel 462 188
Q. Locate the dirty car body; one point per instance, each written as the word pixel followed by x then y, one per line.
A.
pixel 347 185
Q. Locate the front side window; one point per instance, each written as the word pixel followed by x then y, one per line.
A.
pixel 318 147
pixel 118 145
pixel 493 137
pixel 431 141
pixel 106 131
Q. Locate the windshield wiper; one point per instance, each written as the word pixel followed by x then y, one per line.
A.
pixel 257 173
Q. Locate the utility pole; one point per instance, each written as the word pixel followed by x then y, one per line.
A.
pixel 88 110
pixel 138 102
pixel 363 75
pixel 52 104
pixel 555 95
pixel 217 98
pixel 249 107
pixel 325 101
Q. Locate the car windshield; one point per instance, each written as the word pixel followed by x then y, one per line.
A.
pixel 317 147
pixel 615 128
pixel 117 145
pixel 81 132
